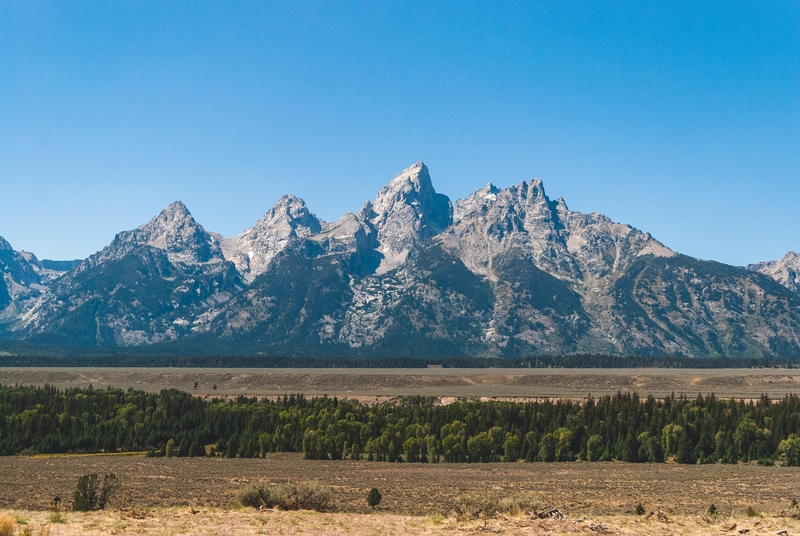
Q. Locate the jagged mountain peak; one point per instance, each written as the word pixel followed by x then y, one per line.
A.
pixel 416 172
pixel 789 258
pixel 175 211
pixel 174 216
pixel 294 211
pixel 521 220
pixel 366 210
pixel 507 271
pixel 285 225
pixel 785 271
pixel 515 201
pixel 175 230
pixel 19 278
pixel 407 211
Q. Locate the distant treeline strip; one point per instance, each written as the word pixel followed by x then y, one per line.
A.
pixel 417 429
pixel 545 361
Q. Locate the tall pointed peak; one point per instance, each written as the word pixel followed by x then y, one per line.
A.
pixel 536 187
pixel 413 181
pixel 176 207
pixel 289 202
pixel 415 176
pixel 285 226
pixel 176 211
pixel 406 211
pixel 176 231
pixel 174 216
pixel 416 167
pixel 366 210
pixel 293 211
pixel 289 199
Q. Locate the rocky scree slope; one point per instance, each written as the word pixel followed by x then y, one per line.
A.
pixel 503 272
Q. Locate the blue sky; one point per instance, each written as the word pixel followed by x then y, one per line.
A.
pixel 680 118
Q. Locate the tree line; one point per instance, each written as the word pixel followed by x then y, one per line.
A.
pixel 416 429
pixel 277 361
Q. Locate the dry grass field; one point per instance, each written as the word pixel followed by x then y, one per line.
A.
pixel 235 522
pixel 196 496
pixel 374 384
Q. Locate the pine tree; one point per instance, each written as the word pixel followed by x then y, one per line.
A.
pixel 685 450
pixel 374 497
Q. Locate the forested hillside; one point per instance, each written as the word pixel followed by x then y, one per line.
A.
pixel 623 427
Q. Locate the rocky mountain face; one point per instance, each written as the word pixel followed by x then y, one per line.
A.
pixel 503 272
pixel 785 271
pixel 147 286
pixel 286 226
pixel 25 278
pixel 407 212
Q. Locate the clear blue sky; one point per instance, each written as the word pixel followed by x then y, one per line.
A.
pixel 680 118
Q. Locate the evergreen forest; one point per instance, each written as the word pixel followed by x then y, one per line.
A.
pixel 623 427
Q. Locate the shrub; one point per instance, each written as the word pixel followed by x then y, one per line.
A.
pixel 478 507
pixel 712 510
pixel 303 496
pixel 374 497
pixel 751 512
pixel 169 450
pixel 7 524
pixel 518 504
pixel 640 509
pixel 56 507
pixel 254 495
pixel 90 496
pixel 486 507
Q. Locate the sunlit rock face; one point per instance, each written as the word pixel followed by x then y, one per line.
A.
pixel 406 212
pixel 785 271
pixel 284 227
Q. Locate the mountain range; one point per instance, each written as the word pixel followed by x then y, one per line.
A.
pixel 504 272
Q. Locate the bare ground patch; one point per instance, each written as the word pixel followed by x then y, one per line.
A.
pixel 387 383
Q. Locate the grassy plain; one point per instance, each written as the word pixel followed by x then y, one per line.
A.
pixel 368 384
